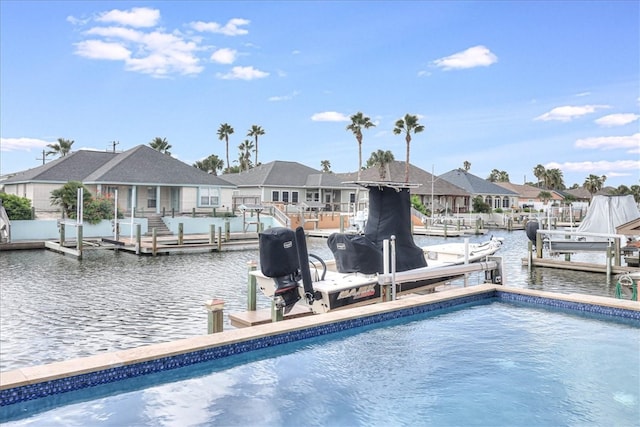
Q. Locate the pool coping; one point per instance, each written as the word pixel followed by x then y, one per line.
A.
pixel 29 383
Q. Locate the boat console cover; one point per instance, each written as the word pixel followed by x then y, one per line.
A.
pixel 389 215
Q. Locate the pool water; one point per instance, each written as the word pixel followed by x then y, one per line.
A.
pixel 486 364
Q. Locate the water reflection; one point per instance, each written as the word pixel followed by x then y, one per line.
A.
pixel 54 307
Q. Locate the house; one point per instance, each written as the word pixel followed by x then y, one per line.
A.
pixel 443 193
pixel 528 196
pixel 145 179
pixel 286 183
pixel 492 194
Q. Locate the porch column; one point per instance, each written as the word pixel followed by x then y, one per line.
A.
pixel 157 199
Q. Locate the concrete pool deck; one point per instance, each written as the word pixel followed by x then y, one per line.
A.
pixel 34 382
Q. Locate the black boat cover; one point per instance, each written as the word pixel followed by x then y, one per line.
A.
pixel 389 215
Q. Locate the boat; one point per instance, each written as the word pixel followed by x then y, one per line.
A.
pixel 383 262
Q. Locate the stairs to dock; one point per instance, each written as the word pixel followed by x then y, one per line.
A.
pixel 155 221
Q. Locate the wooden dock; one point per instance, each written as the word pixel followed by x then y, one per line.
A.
pixel 265 315
pixel 578 266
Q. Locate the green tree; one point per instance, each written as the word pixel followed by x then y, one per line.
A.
pixel 211 164
pixel 479 205
pixel 635 190
pixel 539 172
pixel 67 197
pixel 358 122
pixel 244 157
pixel 98 208
pixel 161 145
pixel 593 183
pixel 407 125
pixel 255 132
pixel 417 205
pixel 17 207
pixel 326 166
pixel 381 160
pixel 224 132
pixel 61 148
pixel 553 179
pixel 498 176
pixel 545 196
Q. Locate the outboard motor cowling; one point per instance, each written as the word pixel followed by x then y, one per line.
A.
pixel 531 230
pixel 279 261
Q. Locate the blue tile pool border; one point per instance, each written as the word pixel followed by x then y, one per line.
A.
pixel 24 393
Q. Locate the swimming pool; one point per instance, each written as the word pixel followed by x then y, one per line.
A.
pixel 496 358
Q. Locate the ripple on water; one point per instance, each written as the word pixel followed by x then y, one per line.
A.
pixel 54 307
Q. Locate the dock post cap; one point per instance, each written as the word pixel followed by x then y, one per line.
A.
pixel 214 304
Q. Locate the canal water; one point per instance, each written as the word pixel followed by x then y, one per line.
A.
pixel 55 307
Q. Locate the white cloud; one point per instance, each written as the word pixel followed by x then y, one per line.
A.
pixel 136 17
pixel 229 29
pixel 156 53
pixel 477 56
pixel 610 142
pixel 617 119
pixel 243 73
pixel 127 34
pixel 97 49
pixel 330 116
pixel 22 144
pixel 284 97
pixel 618 166
pixel 569 112
pixel 224 56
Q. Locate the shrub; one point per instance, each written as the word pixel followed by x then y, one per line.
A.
pixel 17 207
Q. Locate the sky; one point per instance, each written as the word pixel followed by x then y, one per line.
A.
pixel 504 85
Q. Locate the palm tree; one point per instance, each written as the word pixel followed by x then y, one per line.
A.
pixel 325 165
pixel 161 145
pixel 498 176
pixel 466 165
pixel 358 122
pixel 211 164
pixel 545 196
pixel 256 131
pixel 381 159
pixel 62 148
pixel 539 172
pixel 594 183
pixel 553 179
pixel 245 155
pixel 223 135
pixel 407 125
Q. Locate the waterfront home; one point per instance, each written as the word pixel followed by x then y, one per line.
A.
pixel 290 184
pixel 434 193
pixel 495 196
pixel 145 179
pixel 529 196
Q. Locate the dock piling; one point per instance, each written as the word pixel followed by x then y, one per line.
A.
pixel 215 315
pixel 251 287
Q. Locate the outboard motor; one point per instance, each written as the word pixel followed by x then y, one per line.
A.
pixel 279 261
pixel 531 230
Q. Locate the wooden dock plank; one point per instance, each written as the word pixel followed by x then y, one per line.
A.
pixel 258 317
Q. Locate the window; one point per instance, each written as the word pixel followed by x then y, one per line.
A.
pixel 352 197
pixel 285 196
pixel 275 196
pixel 505 202
pixel 151 197
pixel 294 197
pixel 209 197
